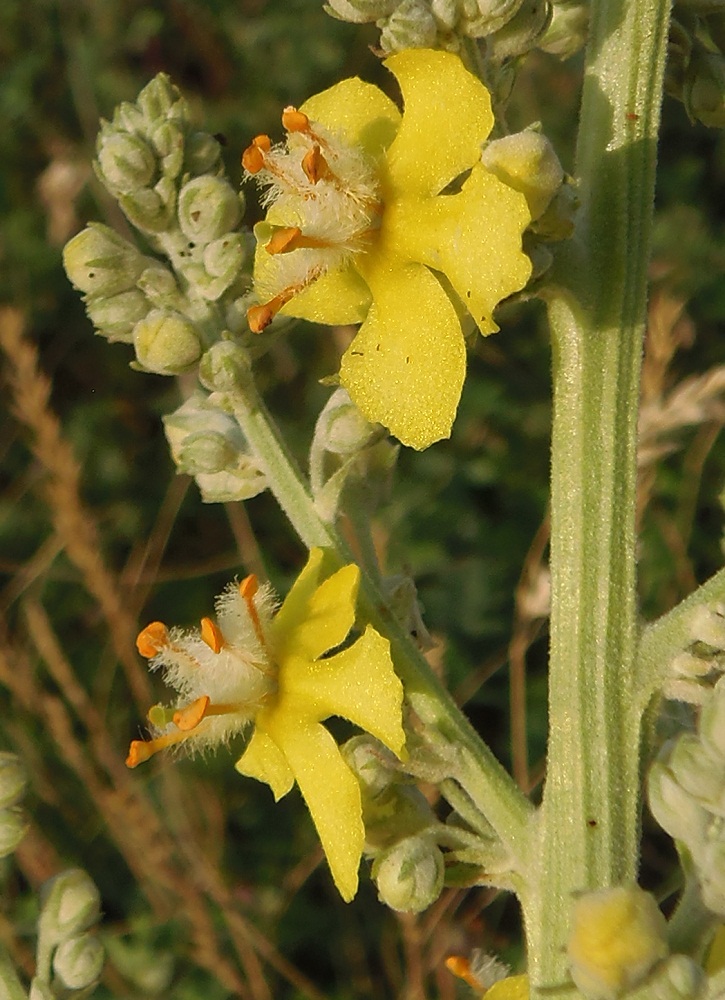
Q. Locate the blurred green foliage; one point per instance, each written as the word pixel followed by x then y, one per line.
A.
pixel 462 516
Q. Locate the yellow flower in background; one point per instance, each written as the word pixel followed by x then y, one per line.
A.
pixel 360 231
pixel 272 669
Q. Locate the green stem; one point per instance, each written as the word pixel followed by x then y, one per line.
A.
pixel 590 810
pixel 489 786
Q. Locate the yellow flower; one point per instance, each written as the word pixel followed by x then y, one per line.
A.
pixel 277 670
pixel 359 230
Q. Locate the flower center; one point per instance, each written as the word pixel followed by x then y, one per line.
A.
pixel 325 204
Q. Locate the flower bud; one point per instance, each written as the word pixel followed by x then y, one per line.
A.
pixel 704 88
pixel 13 826
pixel 526 162
pixel 402 596
pixel 13 779
pixel 159 286
pixel 208 209
pixel 201 153
pixel 71 904
pixel 712 721
pixel 224 367
pixel 166 343
pixel 710 865
pixel 158 98
pixel 409 876
pixel 410 26
pixel 618 936
pixel 687 664
pixel 78 962
pixel 147 209
pixel 100 262
pixel 446 12
pixel 373 764
pixel 697 772
pixel 126 163
pixel 522 32
pixel 115 316
pixel 243 482
pixel 496 13
pixel 568 28
pixel 341 428
pixel 205 451
pixel 359 11
pixel 678 978
pixel 675 810
pixel 707 625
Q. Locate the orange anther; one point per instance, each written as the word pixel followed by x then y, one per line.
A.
pixel 249 587
pixel 151 639
pixel 315 165
pixel 259 317
pixel 139 751
pixel 253 155
pixel 189 717
pixel 212 635
pixel 294 120
pixel 461 967
pixel 283 239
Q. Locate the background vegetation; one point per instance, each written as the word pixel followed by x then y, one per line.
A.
pixel 208 889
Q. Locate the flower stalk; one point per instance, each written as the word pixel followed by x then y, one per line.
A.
pixel 591 806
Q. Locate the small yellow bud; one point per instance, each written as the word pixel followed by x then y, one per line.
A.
pixel 618 936
pixel 526 162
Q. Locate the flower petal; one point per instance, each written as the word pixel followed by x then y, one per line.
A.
pixel 447 115
pixel 512 988
pixel 332 794
pixel 338 298
pixel 359 112
pixel 264 761
pixel 405 369
pixel 315 619
pixel 358 684
pixel 473 237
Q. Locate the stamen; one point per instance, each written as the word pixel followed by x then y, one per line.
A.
pixel 315 166
pixel 142 750
pixel 152 639
pixel 253 156
pixel 294 120
pixel 212 635
pixel 288 238
pixel 189 717
pixel 248 588
pixel 461 967
pixel 259 317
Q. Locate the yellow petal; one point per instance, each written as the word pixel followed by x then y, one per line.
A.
pixel 294 607
pixel 328 617
pixel 338 298
pixel 473 237
pixel 512 988
pixel 405 368
pixel 447 115
pixel 359 112
pixel 332 795
pixel 716 956
pixel 264 761
pixel 358 684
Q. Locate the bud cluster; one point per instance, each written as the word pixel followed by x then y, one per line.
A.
pixel 206 443
pixel 695 71
pixel 169 180
pixel 13 824
pixel 70 906
pixel 694 668
pixel 510 27
pixel 687 797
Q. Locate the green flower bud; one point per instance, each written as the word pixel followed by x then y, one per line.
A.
pixel 410 26
pixel 13 779
pixel 100 262
pixel 205 451
pixel 446 12
pixel 242 483
pixel 158 98
pixel 201 153
pixel 128 118
pixel 704 89
pixel 159 286
pixel 697 772
pixel 359 11
pixel 373 764
pixel 618 936
pixel 522 32
pixel 224 256
pixel 496 13
pixel 224 367
pixel 707 625
pixel 675 810
pixel 71 904
pixel 409 876
pixel 341 428
pixel 208 209
pixel 126 163
pixel 115 317
pixel 526 162
pixel 147 209
pixel 568 29
pixel 13 826
pixel 166 343
pixel 712 721
pixel 168 141
pixel 78 962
